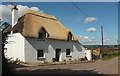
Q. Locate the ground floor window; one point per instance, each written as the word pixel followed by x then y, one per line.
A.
pixel 67 52
pixel 40 53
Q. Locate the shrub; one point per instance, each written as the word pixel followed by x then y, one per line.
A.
pixel 64 60
pixel 82 59
pixel 69 59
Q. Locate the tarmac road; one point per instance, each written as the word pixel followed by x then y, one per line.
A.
pixel 97 67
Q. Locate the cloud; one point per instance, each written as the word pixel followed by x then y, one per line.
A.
pixel 88 40
pixel 6 11
pixel 90 19
pixel 93 37
pixel 35 9
pixel 91 29
pixel 107 39
pixel 83 37
pixel 86 37
pixel 104 40
pixel 73 18
pixel 91 40
pixel 80 36
pixel 59 19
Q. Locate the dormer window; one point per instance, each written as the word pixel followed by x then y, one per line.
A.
pixel 42 34
pixel 69 38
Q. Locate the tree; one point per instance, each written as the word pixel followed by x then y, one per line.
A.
pixel 4 26
pixel 6 69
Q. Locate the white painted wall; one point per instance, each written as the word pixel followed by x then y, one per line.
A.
pixel 25 49
pixel 15 47
pixel 49 47
pixel 88 54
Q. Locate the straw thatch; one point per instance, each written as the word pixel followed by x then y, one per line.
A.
pixel 30 24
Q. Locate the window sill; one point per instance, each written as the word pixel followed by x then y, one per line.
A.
pixel 68 56
pixel 41 58
pixel 40 40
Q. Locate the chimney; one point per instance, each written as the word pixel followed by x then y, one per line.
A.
pixel 14 16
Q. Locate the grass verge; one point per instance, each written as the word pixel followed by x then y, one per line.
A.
pixel 111 55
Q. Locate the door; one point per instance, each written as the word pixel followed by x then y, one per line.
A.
pixel 57 56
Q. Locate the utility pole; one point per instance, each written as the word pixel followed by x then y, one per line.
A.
pixel 0 24
pixel 101 50
pixel 118 46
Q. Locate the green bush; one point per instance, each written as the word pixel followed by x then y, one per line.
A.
pixel 107 56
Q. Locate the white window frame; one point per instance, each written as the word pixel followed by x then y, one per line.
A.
pixel 42 56
pixel 69 37
pixel 44 35
pixel 70 55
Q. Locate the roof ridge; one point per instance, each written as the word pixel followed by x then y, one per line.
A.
pixel 40 14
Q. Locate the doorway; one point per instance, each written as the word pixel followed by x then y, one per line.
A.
pixel 57 54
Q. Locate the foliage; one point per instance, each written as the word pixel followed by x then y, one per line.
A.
pixel 107 56
pixel 6 68
pixel 82 59
pixel 4 26
pixel 96 52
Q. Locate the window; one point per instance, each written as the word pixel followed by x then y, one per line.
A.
pixel 42 34
pixel 40 53
pixel 67 52
pixel 69 38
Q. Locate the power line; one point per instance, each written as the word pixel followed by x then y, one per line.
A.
pixel 95 23
pixel 80 9
pixel 83 12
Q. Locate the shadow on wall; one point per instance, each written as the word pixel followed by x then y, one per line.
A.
pixel 54 43
pixel 36 44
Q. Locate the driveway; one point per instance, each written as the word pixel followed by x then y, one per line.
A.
pixel 97 67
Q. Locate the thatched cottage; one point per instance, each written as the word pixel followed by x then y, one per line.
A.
pixel 37 37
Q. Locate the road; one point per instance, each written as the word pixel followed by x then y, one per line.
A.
pixel 97 67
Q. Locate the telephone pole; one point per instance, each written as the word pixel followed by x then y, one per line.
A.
pixel 101 50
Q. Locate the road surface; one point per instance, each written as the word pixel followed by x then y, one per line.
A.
pixel 97 67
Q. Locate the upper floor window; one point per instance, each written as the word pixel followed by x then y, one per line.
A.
pixel 42 34
pixel 69 38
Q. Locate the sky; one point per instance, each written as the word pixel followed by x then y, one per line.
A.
pixel 86 28
pixel 61 0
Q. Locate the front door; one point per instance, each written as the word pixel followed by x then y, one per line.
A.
pixel 57 56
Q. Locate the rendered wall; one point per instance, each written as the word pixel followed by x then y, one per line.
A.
pixel 49 46
pixel 15 47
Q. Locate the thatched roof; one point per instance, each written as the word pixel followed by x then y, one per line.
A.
pixel 31 22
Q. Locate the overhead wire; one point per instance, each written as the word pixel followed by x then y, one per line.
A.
pixel 83 12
